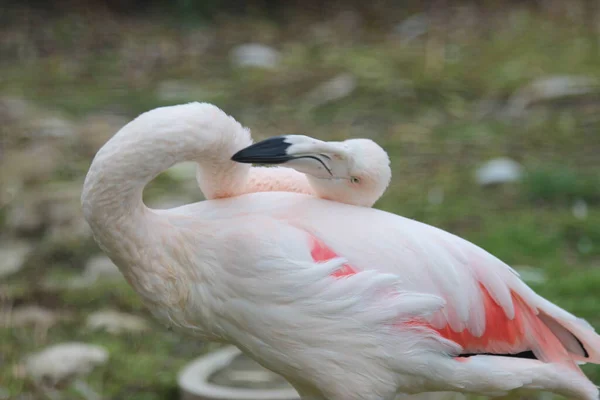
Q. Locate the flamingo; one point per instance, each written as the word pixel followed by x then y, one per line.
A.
pixel 345 302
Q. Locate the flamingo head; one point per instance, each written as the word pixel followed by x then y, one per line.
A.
pixel 355 171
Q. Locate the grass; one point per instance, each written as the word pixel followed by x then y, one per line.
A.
pixel 435 104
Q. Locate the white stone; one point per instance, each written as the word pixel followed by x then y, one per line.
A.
pixel 412 28
pixel 64 361
pixel 99 267
pixel 334 89
pixel 499 170
pixel 255 55
pixel 12 257
pixel 116 322
pixel 580 209
pixel 31 315
pixel 53 127
pixel 549 88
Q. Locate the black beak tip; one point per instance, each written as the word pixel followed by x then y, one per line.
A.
pixel 268 151
pixel 239 156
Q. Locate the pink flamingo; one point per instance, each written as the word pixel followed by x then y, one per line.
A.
pixel 346 302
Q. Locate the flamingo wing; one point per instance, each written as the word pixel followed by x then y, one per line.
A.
pixel 499 316
pixel 488 308
pixel 332 288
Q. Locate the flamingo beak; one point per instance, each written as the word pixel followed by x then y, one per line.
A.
pixel 294 151
pixel 268 151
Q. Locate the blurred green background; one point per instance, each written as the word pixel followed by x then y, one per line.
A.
pixel 445 87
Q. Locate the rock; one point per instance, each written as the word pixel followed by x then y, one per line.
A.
pixel 31 315
pixel 335 89
pixel 64 361
pixel 100 268
pixel 116 322
pixel 52 127
pixel 580 209
pixel 498 171
pixel 255 55
pixel 550 88
pixel 97 269
pixel 12 257
pixel 412 28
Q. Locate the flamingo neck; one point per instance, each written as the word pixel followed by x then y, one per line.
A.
pixel 142 149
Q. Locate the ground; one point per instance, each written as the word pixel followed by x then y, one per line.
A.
pixel 443 91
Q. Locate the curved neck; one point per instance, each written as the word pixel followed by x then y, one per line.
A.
pixel 148 145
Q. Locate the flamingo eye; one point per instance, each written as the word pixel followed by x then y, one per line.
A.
pixel 354 179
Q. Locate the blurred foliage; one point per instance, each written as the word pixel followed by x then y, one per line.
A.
pixel 562 185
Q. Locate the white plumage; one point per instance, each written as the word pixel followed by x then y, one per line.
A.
pixel 346 302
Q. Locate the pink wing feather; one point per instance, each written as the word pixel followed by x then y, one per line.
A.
pixel 509 324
